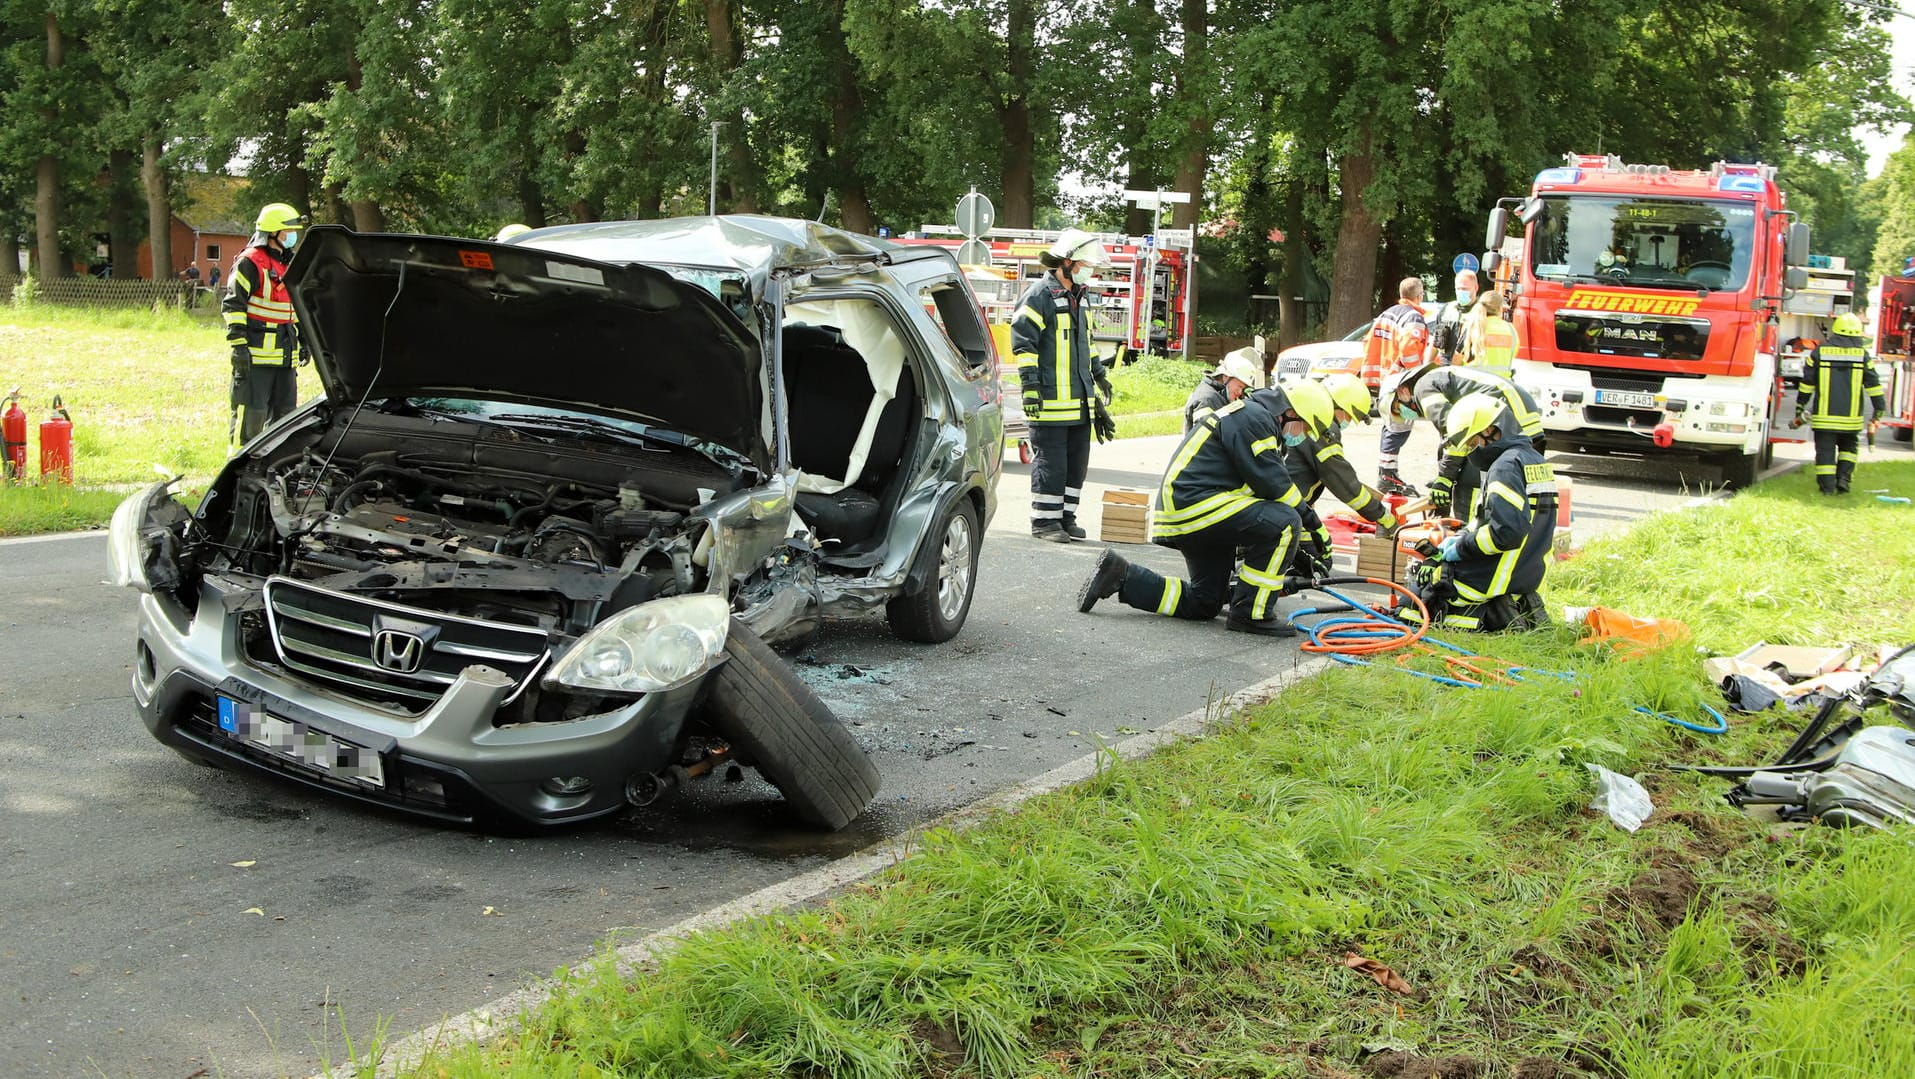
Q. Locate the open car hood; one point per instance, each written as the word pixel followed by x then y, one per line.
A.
pixel 389 315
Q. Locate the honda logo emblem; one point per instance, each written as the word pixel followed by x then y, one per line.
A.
pixel 398 652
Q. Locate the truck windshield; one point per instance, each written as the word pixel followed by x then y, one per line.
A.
pixel 1650 243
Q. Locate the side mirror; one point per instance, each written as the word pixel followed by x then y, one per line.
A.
pixel 1797 251
pixel 1532 210
pixel 1498 228
pixel 1491 260
pixel 1795 278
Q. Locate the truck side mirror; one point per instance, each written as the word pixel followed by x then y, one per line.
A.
pixel 1491 260
pixel 1498 227
pixel 1797 251
pixel 1795 278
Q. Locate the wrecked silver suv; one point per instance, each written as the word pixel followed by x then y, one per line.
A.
pixel 521 561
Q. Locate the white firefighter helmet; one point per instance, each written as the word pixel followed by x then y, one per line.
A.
pixel 1245 365
pixel 1076 245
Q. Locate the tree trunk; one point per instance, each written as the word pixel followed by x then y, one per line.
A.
pixel 1353 273
pixel 531 198
pixel 1290 306
pixel 299 188
pixel 159 209
pixel 1018 151
pixel 1195 160
pixel 738 182
pixel 9 250
pixel 122 218
pixel 847 106
pixel 367 216
pixel 46 195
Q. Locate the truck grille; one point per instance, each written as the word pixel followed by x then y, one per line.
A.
pixel 390 654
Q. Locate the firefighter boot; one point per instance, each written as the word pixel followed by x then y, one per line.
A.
pixel 1074 530
pixel 1844 471
pixel 1389 483
pixel 1104 581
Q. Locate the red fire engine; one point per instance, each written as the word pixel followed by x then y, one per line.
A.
pixel 1647 302
pixel 1895 347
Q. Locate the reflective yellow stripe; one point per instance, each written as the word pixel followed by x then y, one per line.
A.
pixel 1028 312
pixel 1485 541
pixel 1504 492
pixel 1362 499
pixel 1334 449
pixel 1189 450
pixel 1263 445
pixel 1202 506
pixel 1185 527
pixel 1173 592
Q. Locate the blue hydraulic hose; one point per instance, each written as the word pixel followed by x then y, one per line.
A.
pixel 1721 727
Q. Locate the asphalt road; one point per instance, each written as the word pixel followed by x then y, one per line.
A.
pixel 158 917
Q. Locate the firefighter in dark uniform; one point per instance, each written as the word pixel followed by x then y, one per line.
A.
pixel 1064 390
pixel 1485 577
pixel 1431 392
pixel 1317 464
pixel 1227 491
pixel 1835 376
pixel 260 325
pixel 1238 371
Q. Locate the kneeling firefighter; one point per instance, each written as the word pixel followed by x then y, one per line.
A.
pixel 1432 392
pixel 1227 490
pixel 1485 577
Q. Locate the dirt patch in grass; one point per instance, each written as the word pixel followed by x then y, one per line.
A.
pixel 1543 1068
pixel 1715 834
pixel 1661 894
pixel 946 1052
pixel 1392 1064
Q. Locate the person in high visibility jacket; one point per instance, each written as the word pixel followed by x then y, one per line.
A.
pixel 1454 319
pixel 1238 371
pixel 260 325
pixel 1837 374
pixel 1486 576
pixel 1399 341
pixel 1319 463
pixel 1432 391
pixel 1064 389
pixel 1489 340
pixel 1227 491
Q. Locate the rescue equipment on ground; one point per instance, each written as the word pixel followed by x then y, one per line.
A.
pixel 13 432
pixel 56 445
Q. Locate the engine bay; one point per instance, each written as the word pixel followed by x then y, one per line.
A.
pixel 454 536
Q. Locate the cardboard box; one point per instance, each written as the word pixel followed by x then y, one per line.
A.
pixel 1126 516
pixel 1797 661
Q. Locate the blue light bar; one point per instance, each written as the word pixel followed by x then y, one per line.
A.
pixel 1739 183
pixel 1559 176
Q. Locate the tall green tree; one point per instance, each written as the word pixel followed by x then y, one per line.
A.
pixel 1895 240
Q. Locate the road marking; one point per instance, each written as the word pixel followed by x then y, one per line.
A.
pixel 52 536
pixel 501 1015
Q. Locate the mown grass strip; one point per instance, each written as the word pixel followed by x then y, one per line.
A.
pixel 1186 914
pixel 53 507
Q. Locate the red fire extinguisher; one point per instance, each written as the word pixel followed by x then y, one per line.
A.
pixel 13 439
pixel 56 445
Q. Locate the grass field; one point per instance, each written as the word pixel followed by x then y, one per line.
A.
pixel 147 392
pixel 1189 914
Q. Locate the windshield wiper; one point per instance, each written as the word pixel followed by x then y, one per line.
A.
pixel 723 456
pixel 1580 278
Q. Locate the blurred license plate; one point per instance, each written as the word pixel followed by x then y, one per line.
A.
pixel 1625 398
pixel 311 749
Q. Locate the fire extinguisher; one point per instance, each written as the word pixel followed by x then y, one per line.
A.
pixel 56 445
pixel 13 438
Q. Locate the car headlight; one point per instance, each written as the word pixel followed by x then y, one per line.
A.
pixel 125 547
pixel 648 648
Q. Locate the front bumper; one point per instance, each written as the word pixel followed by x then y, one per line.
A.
pixel 449 763
pixel 1701 416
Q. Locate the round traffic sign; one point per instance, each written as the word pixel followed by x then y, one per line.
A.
pixel 1465 261
pixel 974 253
pixel 975 215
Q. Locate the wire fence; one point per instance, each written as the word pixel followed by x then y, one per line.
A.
pixel 108 292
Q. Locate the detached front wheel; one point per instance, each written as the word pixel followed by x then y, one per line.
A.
pixel 949 558
pixel 779 726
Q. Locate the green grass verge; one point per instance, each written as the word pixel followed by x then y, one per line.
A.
pixel 148 391
pixel 26 511
pixel 1185 915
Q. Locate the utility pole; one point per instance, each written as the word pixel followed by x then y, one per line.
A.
pixel 711 201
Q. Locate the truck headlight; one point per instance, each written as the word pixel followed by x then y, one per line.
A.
pixel 126 547
pixel 648 648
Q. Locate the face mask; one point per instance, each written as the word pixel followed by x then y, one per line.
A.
pixel 1404 412
pixel 1465 297
pixel 288 239
pixel 1293 440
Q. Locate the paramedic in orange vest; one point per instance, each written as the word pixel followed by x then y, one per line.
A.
pixel 1399 341
pixel 260 325
pixel 1489 341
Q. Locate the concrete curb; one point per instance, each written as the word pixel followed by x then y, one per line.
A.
pixel 44 537
pixel 502 1015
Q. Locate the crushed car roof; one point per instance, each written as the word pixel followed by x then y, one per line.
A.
pixel 748 243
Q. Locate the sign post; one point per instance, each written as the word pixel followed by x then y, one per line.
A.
pixel 1154 201
pixel 975 216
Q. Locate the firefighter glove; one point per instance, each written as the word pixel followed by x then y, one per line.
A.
pixel 1440 491
pixel 1386 525
pixel 1451 550
pixel 242 356
pixel 1103 387
pixel 1033 402
pixel 1101 424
